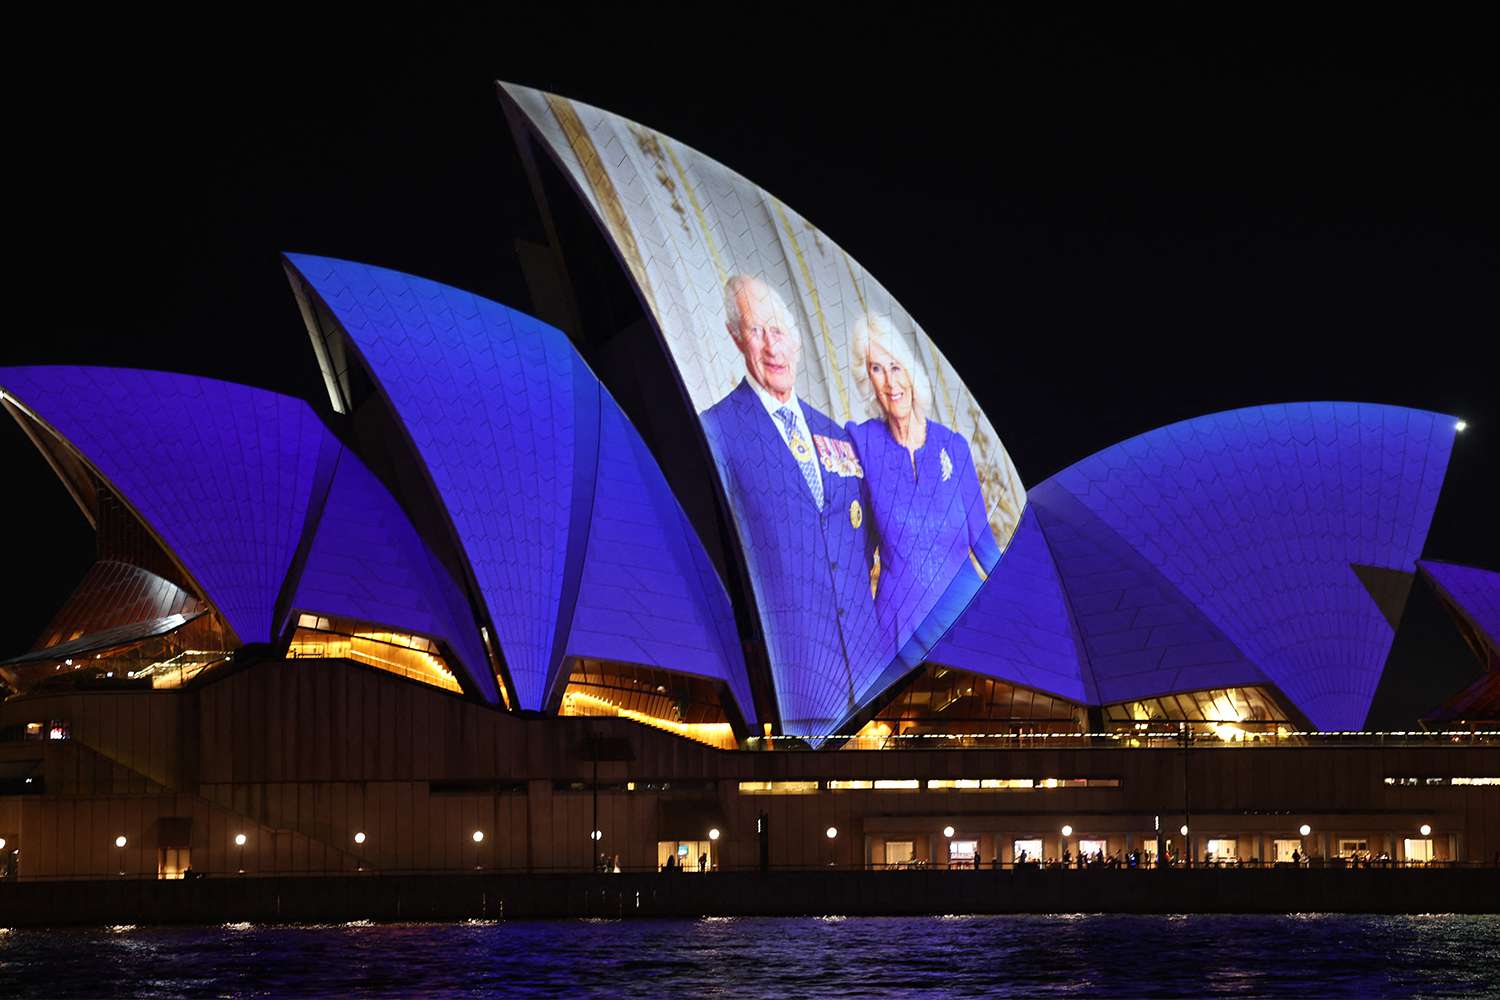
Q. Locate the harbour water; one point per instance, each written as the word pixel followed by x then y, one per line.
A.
pixel 1114 956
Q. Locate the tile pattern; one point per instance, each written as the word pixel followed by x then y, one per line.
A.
pixel 366 562
pixel 221 472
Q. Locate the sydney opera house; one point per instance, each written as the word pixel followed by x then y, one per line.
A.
pixel 744 578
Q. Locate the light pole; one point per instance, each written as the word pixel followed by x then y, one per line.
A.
pixel 1187 844
pixel 1066 831
pixel 120 842
pixel 831 833
pixel 948 836
pixel 713 841
pixel 239 841
pixel 359 841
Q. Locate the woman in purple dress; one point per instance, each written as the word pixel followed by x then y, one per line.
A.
pixel 935 542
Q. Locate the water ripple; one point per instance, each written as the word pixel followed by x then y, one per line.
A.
pixel 785 959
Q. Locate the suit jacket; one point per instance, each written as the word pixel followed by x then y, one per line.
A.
pixel 810 567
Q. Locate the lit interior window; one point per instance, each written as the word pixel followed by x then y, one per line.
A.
pixel 414 657
pixel 679 703
pixel 778 787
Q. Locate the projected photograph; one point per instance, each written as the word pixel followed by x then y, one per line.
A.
pixel 871 494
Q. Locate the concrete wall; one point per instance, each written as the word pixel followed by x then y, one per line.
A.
pixel 849 893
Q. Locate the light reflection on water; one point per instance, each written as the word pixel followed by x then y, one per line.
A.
pixel 1120 956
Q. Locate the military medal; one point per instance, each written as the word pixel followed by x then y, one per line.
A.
pixel 800 451
pixel 856 514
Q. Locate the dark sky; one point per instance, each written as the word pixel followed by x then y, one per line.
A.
pixel 1106 224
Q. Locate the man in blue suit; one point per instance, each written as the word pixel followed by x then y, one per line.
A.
pixel 797 491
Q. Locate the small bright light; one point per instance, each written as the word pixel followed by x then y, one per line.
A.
pixel 1067 830
pixel 831 832
pixel 597 835
pixel 359 838
pixel 1304 829
pixel 948 832
pixel 1462 425
pixel 713 834
pixel 478 836
pixel 1426 830
pixel 239 840
pixel 1182 829
pixel 120 841
pixel 2 843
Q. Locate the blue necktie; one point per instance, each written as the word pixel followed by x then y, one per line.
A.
pixel 802 452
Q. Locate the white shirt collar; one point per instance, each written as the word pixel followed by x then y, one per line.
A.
pixel 772 404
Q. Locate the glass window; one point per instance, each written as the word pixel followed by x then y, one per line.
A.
pixel 778 787
pixel 899 853
pixel 1418 850
pixel 1026 851
pixel 848 784
pixel 1222 849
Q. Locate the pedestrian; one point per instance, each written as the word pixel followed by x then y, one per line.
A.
pixel 703 862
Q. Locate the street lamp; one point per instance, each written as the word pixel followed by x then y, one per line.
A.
pixel 1067 831
pixel 478 836
pixel 359 838
pixel 1426 832
pixel 1304 829
pixel 831 832
pixel 239 841
pixel 948 832
pixel 120 842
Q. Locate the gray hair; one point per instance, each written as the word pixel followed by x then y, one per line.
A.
pixel 743 282
pixel 873 328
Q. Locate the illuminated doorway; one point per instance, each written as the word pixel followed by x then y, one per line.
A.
pixel 1350 848
pixel 1222 849
pixel 685 855
pixel 1027 851
pixel 899 853
pixel 1089 848
pixel 961 853
pixel 1418 851
pixel 173 862
pixel 1283 849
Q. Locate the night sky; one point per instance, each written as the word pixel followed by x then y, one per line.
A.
pixel 1107 225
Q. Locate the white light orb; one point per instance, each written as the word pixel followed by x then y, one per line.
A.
pixel 120 841
pixel 1182 829
pixel 1426 830
pixel 239 840
pixel 1067 830
pixel 478 836
pixel 1462 425
pixel 948 832
pixel 1304 829
pixel 2 843
pixel 831 832
pixel 359 838
pixel 597 835
pixel 713 834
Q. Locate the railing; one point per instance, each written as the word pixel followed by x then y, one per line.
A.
pixel 956 870
pixel 1133 739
